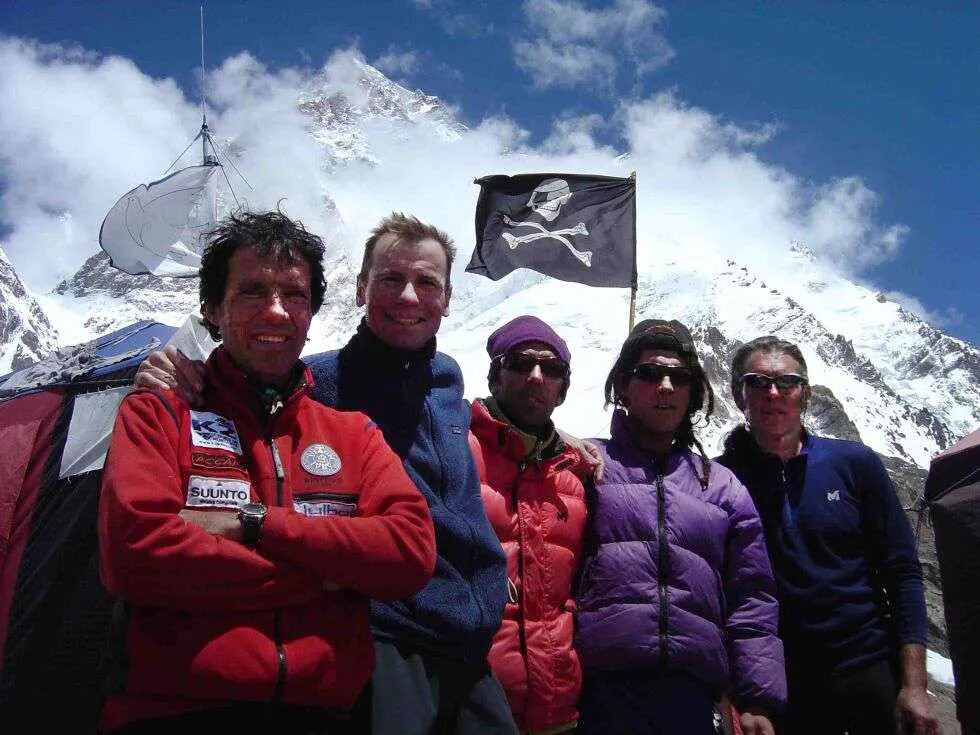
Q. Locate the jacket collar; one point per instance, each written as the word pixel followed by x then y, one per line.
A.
pixel 236 389
pixel 620 435
pixel 493 427
pixel 741 446
pixel 369 347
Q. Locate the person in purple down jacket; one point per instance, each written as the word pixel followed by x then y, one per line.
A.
pixel 676 601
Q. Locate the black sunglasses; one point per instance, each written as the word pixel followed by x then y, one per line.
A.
pixel 787 381
pixel 551 367
pixel 649 372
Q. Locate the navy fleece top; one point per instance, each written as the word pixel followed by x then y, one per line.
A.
pixel 847 573
pixel 416 399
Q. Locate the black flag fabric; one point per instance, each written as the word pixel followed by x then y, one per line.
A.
pixel 572 227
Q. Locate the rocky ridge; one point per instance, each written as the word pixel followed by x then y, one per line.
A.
pixel 26 334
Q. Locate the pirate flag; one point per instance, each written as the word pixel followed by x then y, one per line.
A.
pixel 568 226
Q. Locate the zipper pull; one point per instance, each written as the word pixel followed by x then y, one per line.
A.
pixel 277 460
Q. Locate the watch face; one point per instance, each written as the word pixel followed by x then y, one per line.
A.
pixel 253 509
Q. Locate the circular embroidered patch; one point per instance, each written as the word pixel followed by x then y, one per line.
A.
pixel 319 459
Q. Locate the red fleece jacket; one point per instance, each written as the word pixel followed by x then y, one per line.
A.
pixel 211 620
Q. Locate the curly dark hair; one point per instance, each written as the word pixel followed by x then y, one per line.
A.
pixel 768 344
pixel 272 234
pixel 702 396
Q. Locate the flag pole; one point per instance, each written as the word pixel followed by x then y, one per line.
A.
pixel 633 283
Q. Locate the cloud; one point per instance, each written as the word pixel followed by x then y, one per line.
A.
pixel 79 130
pixel 552 65
pixel 453 21
pixel 569 45
pixel 394 62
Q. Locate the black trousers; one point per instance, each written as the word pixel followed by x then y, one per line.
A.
pixel 248 718
pixel 415 694
pixel 647 703
pixel 860 702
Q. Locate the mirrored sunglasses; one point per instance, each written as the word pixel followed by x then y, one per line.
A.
pixel 551 367
pixel 787 381
pixel 651 373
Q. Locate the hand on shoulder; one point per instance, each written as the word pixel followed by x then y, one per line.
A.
pixel 168 369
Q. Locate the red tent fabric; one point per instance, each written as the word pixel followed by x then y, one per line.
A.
pixel 26 430
pixel 55 617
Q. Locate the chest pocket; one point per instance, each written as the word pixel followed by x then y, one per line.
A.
pixel 324 505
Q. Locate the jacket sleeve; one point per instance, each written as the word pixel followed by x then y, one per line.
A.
pixel 149 555
pixel 755 651
pixel 893 551
pixel 386 552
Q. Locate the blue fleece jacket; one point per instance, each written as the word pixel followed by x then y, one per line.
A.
pixel 416 399
pixel 847 573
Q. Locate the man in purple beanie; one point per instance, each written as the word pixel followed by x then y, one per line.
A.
pixel 536 504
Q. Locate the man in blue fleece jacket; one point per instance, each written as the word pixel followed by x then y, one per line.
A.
pixel 431 673
pixel 852 612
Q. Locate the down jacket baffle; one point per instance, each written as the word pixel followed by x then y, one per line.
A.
pixel 537 509
pixel 677 577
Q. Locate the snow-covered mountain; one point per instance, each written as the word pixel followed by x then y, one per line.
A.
pixel 880 373
pixel 342 101
pixel 25 332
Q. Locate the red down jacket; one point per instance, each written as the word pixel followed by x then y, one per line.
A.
pixel 210 620
pixel 538 512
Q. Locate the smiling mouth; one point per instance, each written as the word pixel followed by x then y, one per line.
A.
pixel 406 321
pixel 271 339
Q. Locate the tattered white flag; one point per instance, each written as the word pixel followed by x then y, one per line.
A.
pixel 158 228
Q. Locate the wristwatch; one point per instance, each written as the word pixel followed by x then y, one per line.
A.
pixel 251 516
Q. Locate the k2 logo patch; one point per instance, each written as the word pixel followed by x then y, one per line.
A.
pixel 211 431
pixel 216 492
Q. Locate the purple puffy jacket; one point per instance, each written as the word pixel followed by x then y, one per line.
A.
pixel 677 577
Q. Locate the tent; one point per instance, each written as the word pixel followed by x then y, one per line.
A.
pixel 55 419
pixel 953 496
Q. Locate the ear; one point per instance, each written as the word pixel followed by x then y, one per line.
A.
pixel 210 313
pixel 449 295
pixel 805 402
pixel 739 396
pixel 621 393
pixel 360 299
pixel 211 316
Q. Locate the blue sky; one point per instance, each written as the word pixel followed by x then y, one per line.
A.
pixel 886 92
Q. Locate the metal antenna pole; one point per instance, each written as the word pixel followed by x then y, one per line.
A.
pixel 205 134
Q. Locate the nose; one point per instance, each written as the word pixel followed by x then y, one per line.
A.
pixel 409 294
pixel 773 391
pixel 665 385
pixel 276 306
pixel 535 375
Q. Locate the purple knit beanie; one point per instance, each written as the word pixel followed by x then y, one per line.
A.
pixel 526 329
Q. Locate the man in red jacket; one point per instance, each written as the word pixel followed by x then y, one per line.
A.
pixel 537 507
pixel 245 538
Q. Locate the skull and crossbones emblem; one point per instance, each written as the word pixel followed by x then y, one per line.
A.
pixel 547 200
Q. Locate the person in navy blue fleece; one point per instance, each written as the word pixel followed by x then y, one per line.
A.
pixel 852 611
pixel 431 673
